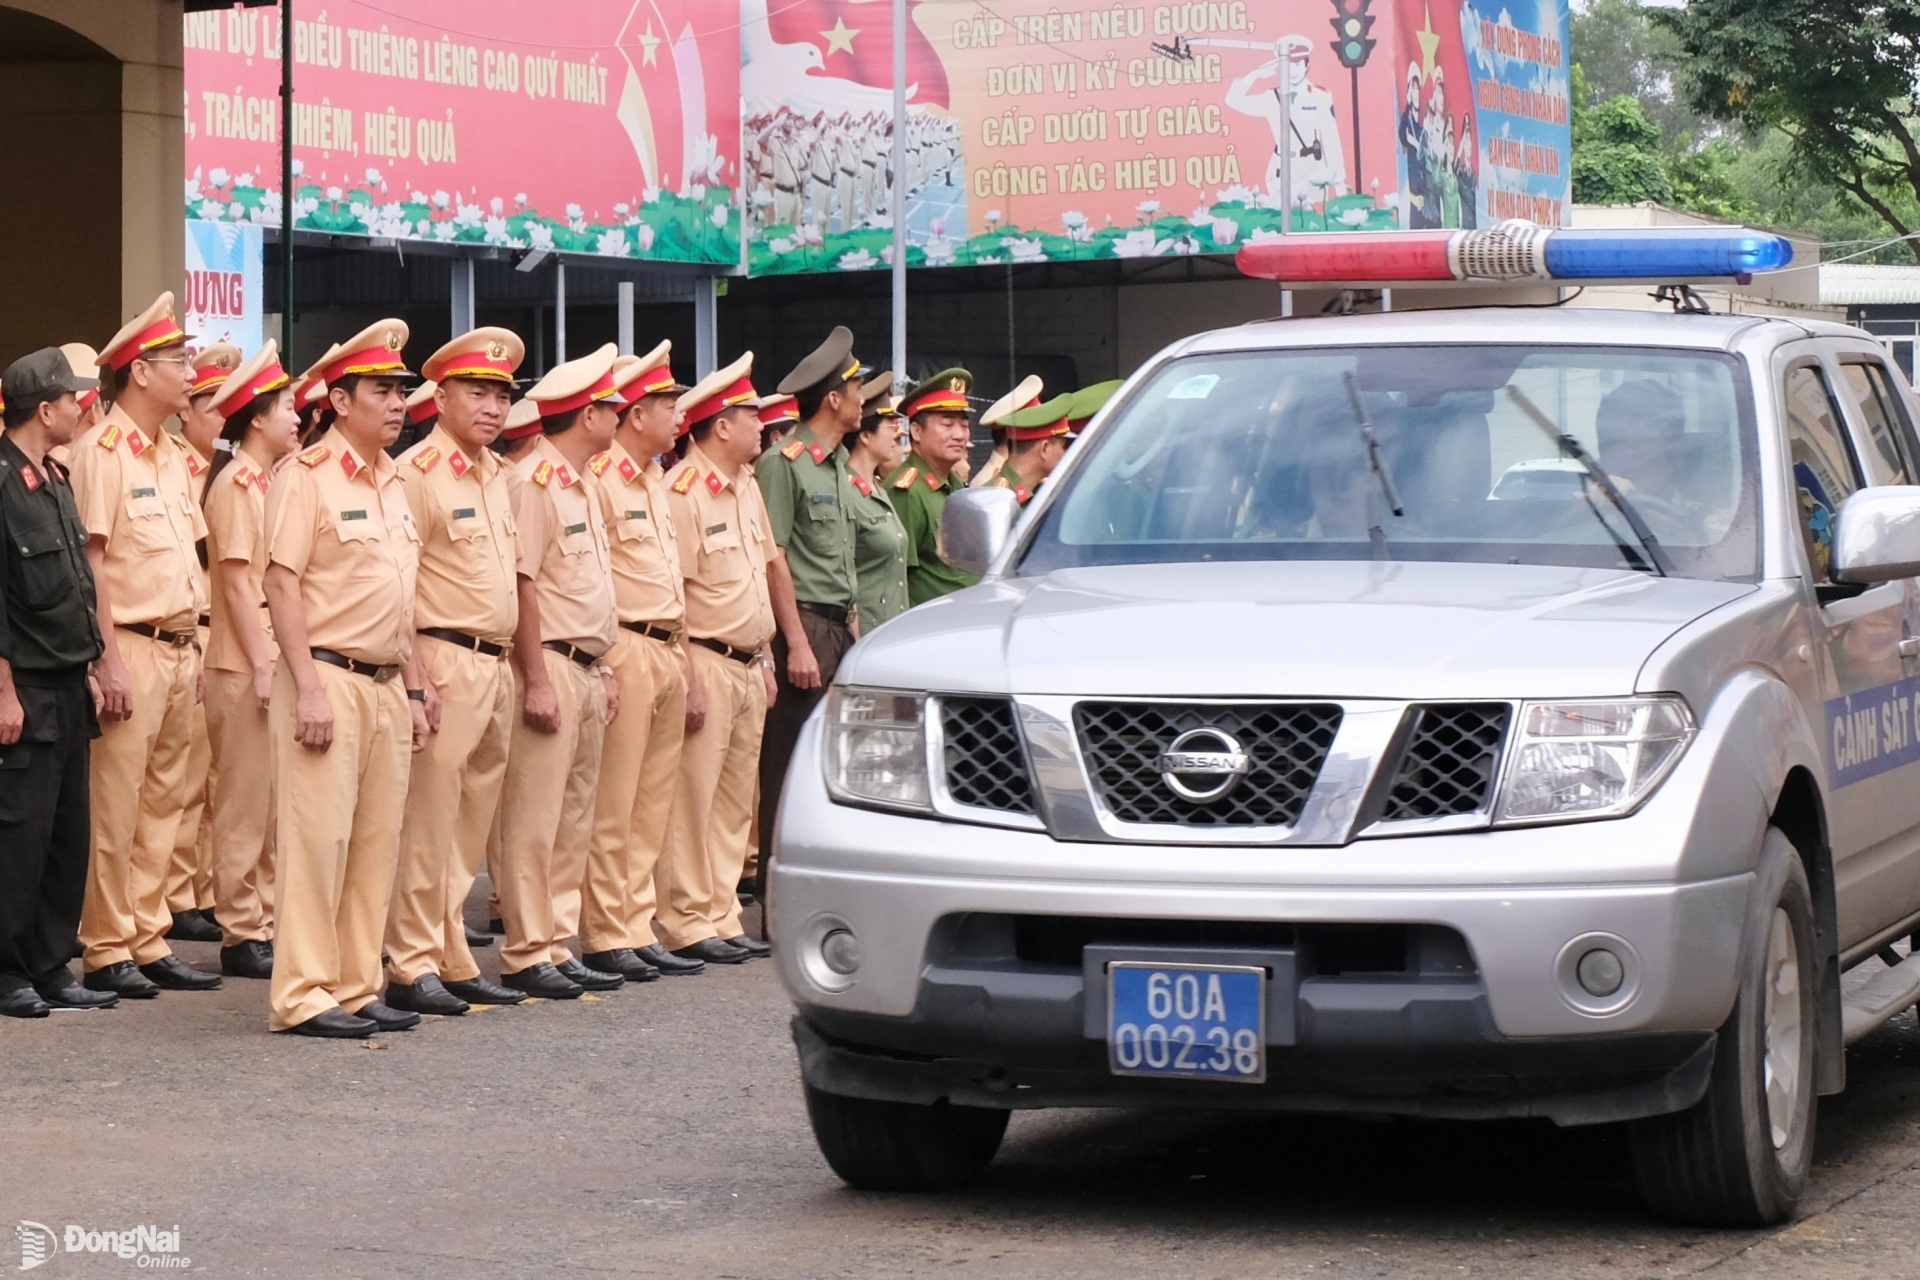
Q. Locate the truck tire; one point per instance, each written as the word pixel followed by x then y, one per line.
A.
pixel 904 1146
pixel 1739 1157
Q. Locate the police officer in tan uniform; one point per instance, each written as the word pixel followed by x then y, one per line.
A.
pixel 464 613
pixel 725 545
pixel 641 761
pixel 134 493
pixel 568 694
pixel 341 559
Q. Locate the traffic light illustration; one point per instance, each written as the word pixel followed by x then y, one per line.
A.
pixel 1351 23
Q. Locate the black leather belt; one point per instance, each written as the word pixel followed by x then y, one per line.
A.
pixel 465 641
pixel 206 620
pixel 372 670
pixel 178 639
pixel 726 650
pixel 651 631
pixel 573 651
pixel 831 612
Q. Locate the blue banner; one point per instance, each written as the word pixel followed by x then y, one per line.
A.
pixel 1873 731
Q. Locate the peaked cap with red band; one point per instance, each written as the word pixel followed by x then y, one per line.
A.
pixel 1040 422
pixel 259 374
pixel 85 363
pixel 945 392
pixel 374 352
pixel 421 406
pixel 775 410
pixel 211 367
pixel 487 353
pixel 577 384
pixel 149 331
pixel 1024 396
pixel 721 389
pixel 637 377
pixel 311 386
pixel 523 420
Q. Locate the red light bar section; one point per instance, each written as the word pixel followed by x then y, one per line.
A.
pixel 1345 257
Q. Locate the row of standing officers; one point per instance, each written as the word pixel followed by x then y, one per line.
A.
pixel 523 642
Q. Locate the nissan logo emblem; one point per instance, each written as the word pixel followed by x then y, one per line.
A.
pixel 1203 765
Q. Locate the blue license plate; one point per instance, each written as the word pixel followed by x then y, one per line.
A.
pixel 1190 1021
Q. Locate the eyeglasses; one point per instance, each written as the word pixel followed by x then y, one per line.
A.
pixel 164 359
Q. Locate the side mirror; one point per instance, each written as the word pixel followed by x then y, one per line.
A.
pixel 975 526
pixel 1876 535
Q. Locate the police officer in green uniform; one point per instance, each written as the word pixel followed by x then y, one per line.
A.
pixel 1037 440
pixel 1088 401
pixel 48 637
pixel 942 429
pixel 880 539
pixel 815 607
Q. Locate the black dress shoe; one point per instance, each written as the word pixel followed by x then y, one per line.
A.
pixel 480 991
pixel 23 1002
pixel 755 950
pixel 335 1024
pixel 171 973
pixel 424 995
pixel 60 991
pixel 591 979
pixel 745 891
pixel 498 926
pixel 622 961
pixel 543 980
pixel 190 926
pixel 475 939
pixel 669 964
pixel 387 1019
pixel 206 913
pixel 123 980
pixel 713 951
pixel 250 959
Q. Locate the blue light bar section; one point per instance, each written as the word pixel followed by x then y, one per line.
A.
pixel 1664 252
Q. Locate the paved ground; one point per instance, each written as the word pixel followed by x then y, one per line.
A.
pixel 660 1132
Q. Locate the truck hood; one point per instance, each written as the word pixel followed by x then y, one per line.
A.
pixel 1291 629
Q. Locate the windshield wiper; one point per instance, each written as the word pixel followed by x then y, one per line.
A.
pixel 1376 535
pixel 1655 556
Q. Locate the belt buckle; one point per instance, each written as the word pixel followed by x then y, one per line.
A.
pixel 385 675
pixel 180 639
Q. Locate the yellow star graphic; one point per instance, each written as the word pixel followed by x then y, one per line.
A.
pixel 1429 41
pixel 840 39
pixel 650 42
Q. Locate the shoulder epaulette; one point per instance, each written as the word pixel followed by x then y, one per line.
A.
pixel 684 481
pixel 542 474
pixel 426 458
pixel 600 463
pixel 315 456
pixel 1000 482
pixel 905 478
pixel 242 476
pixel 109 439
pixel 792 449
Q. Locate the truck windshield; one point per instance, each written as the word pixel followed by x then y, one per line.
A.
pixel 1263 456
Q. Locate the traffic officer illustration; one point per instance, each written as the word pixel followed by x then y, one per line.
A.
pixel 465 610
pixel 1319 166
pixel 341 558
pixel 941 426
pixel 133 490
pixel 48 638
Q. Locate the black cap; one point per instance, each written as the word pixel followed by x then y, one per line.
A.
pixel 40 376
pixel 831 364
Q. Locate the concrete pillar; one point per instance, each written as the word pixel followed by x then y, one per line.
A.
pixel 706 325
pixel 626 317
pixel 461 295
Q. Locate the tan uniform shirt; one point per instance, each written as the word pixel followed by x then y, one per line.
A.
pixel 236 510
pixel 134 490
pixel 563 549
pixel 342 524
pixel 647 582
pixel 468 550
pixel 726 543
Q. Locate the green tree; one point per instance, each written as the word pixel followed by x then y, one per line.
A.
pixel 1837 78
pixel 1623 53
pixel 1617 158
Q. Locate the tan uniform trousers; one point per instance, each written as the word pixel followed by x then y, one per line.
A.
pixel 138 779
pixel 337 838
pixel 639 773
pixel 242 808
pixel 190 870
pixel 707 838
pixel 546 819
pixel 451 800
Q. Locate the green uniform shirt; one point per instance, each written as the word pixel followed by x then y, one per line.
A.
pixel 46 587
pixel 809 503
pixel 1010 479
pixel 920 505
pixel 881 555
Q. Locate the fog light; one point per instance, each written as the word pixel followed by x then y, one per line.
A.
pixel 1600 972
pixel 841 952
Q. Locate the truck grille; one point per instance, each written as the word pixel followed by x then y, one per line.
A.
pixel 1286 743
pixel 986 768
pixel 1448 766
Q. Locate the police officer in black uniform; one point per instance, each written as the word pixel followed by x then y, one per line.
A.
pixel 48 636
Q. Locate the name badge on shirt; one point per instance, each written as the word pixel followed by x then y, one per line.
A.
pixel 463 513
pixel 636 515
pixel 145 493
pixel 353 515
pixel 824 497
pixel 716 528
pixel 577 528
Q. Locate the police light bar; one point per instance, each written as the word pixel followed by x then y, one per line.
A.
pixel 1513 252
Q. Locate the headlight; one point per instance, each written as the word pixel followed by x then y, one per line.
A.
pixel 876 748
pixel 1595 759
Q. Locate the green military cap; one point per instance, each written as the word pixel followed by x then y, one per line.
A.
pixel 830 364
pixel 1041 421
pixel 945 392
pixel 874 391
pixel 1088 401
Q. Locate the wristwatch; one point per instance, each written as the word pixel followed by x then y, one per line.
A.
pixel 416 695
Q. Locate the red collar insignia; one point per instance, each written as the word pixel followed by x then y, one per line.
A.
pixel 864 485
pixel 714 483
pixel 458 464
pixel 628 471
pixel 931 482
pixel 136 443
pixel 348 465
pixel 29 476
pixel 815 452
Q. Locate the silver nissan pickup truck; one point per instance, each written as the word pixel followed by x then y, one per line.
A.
pixel 1473 713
